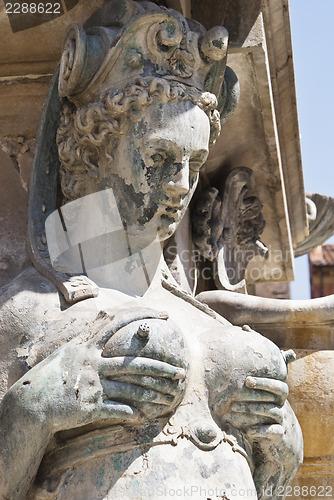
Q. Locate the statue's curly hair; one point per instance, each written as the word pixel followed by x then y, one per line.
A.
pixel 83 132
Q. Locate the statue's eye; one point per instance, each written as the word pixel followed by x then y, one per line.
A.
pixel 159 157
pixel 196 161
pixel 195 165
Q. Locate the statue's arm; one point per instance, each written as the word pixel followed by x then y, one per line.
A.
pixel 73 387
pixel 62 392
pixel 24 436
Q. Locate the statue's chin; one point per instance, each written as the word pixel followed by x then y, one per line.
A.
pixel 159 228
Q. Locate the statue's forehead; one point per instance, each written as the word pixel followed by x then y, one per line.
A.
pixel 182 122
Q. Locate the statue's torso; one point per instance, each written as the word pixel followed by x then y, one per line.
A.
pixel 160 471
pixel 104 465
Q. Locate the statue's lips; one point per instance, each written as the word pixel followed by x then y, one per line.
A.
pixel 171 212
pixel 169 206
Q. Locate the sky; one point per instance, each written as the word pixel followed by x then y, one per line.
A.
pixel 312 26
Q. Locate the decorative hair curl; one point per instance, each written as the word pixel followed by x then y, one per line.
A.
pixel 82 132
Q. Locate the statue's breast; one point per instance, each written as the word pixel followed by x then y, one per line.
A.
pixel 186 452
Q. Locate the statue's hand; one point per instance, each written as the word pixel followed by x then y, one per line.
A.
pixel 153 386
pixel 258 409
pixel 277 454
pixel 108 373
pixel 113 376
pixel 145 366
pixel 249 393
pixel 65 390
pixel 264 417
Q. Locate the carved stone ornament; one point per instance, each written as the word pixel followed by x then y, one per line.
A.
pixel 123 386
pixel 320 214
pixel 226 231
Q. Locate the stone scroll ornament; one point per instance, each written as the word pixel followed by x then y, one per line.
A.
pixel 121 43
pixel 227 229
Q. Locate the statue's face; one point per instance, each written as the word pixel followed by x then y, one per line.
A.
pixel 154 170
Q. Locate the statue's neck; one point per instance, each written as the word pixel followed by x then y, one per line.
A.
pixel 100 245
pixel 132 274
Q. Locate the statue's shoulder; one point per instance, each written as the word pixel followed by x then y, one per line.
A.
pixel 25 306
pixel 28 287
pixel 25 303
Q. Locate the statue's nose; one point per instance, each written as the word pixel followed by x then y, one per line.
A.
pixel 179 183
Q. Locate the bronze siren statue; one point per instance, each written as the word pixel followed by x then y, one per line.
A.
pixel 119 385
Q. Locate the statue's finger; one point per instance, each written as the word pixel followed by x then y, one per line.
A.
pixel 265 410
pixel 243 421
pixel 269 385
pixel 273 433
pixel 250 395
pixel 132 365
pixel 116 410
pixel 119 391
pixel 159 384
